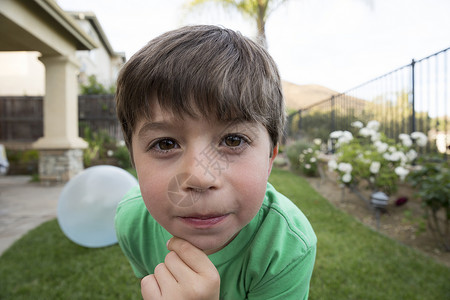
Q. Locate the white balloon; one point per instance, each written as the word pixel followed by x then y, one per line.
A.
pixel 87 205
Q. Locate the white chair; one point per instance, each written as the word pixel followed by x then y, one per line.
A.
pixel 4 164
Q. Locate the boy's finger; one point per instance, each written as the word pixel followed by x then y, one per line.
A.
pixel 150 288
pixel 192 256
pixel 166 281
pixel 177 267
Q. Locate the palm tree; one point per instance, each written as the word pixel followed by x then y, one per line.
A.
pixel 257 10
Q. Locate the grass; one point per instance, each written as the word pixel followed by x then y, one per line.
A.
pixel 353 261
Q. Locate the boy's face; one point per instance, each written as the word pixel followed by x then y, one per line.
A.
pixel 203 181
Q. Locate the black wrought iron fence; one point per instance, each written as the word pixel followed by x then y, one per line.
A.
pixel 412 98
pixel 21 118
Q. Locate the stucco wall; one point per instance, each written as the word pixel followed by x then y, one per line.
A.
pixel 21 74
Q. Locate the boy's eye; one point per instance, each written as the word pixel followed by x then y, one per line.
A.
pixel 233 141
pixel 165 145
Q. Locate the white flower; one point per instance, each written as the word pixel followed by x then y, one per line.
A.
pixel 346 177
pixel 370 132
pixel 397 156
pixel 317 142
pixel 376 136
pixel 403 158
pixel 310 150
pixel 121 143
pixel 422 142
pixel 347 134
pixel 403 136
pixel 110 153
pixel 420 137
pixel 381 147
pixel 308 166
pixel 392 149
pixel 374 125
pixel 332 165
pixel 375 167
pixel 357 124
pixel 313 159
pixel 365 132
pixel 345 167
pixel 411 155
pixel 372 179
pixel 406 140
pixel 336 134
pixel 345 138
pixel 401 172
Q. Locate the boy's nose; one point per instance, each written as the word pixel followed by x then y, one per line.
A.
pixel 202 170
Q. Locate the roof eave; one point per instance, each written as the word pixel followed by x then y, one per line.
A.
pixel 83 41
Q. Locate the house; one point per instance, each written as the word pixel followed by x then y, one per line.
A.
pixel 41 26
pixel 22 74
pixel 103 62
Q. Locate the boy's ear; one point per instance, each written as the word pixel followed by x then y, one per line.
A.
pixel 272 157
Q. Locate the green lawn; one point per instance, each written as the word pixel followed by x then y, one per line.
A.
pixel 353 261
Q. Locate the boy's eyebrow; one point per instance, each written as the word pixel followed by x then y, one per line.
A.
pixel 164 125
pixel 169 125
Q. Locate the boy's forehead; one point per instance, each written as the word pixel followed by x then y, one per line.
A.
pixel 159 117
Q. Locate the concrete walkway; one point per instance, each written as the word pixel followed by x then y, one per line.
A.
pixel 24 206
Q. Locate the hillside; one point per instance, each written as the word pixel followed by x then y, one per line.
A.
pixel 301 96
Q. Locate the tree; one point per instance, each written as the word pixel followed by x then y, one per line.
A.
pixel 93 87
pixel 256 10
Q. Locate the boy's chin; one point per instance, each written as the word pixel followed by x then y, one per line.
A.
pixel 211 247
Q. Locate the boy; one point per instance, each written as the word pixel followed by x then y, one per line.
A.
pixel 202 111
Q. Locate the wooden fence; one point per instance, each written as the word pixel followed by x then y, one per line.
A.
pixel 21 118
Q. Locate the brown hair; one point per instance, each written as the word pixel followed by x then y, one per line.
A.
pixel 206 70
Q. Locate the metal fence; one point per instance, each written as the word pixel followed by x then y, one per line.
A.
pixel 412 98
pixel 21 118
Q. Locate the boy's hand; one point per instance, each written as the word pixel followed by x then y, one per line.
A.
pixel 187 273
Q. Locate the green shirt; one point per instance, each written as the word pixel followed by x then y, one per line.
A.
pixel 271 258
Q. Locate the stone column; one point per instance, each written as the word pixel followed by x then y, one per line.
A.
pixel 60 148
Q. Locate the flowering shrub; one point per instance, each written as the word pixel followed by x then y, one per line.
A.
pixel 372 157
pixel 433 183
pixel 293 152
pixel 308 159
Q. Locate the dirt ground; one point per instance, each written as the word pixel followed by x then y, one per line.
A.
pixel 403 223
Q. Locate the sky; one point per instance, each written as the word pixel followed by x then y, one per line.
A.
pixel 338 44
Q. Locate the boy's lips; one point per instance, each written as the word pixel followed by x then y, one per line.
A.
pixel 204 221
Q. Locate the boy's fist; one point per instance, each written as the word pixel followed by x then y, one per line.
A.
pixel 187 273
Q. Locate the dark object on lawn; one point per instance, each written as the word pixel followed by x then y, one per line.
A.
pixel 400 201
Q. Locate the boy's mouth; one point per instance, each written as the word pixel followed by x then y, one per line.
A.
pixel 204 221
